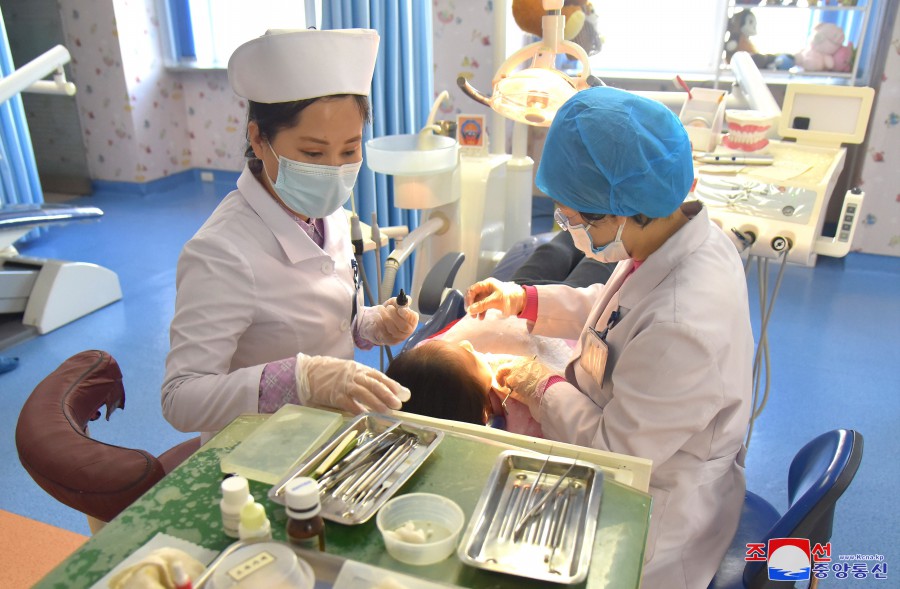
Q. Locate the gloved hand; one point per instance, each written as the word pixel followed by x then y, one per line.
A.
pixel 387 324
pixel 527 380
pixel 490 293
pixel 347 385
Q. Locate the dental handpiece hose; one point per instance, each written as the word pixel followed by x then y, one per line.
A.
pixel 358 247
pixel 402 302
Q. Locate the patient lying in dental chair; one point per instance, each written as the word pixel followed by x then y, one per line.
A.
pixel 452 375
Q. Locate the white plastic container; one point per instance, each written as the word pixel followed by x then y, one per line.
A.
pixel 264 564
pixel 235 494
pixel 254 523
pixel 420 528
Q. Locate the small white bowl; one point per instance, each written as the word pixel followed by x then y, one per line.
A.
pixel 430 526
pixel 263 564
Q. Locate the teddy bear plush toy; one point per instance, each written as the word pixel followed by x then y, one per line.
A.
pixel 742 26
pixel 826 50
pixel 581 22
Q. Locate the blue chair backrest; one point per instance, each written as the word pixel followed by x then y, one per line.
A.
pixel 820 473
pixel 453 307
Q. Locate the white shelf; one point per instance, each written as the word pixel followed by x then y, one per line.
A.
pixel 850 78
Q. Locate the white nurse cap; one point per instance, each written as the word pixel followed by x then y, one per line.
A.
pixel 286 65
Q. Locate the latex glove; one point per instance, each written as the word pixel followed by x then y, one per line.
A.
pixel 490 293
pixel 388 324
pixel 527 380
pixel 347 385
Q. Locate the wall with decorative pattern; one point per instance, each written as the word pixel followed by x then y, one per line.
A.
pixel 142 122
pixel 217 120
pixel 463 46
pixel 131 109
pixel 879 229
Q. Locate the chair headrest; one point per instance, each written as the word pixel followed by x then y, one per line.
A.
pixel 51 437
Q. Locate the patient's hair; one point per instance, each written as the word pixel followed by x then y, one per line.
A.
pixel 441 384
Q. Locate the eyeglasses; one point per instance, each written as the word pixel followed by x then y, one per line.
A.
pixel 562 220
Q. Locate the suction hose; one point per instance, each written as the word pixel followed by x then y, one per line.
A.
pixel 436 224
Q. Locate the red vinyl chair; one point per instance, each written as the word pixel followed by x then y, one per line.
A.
pixel 95 478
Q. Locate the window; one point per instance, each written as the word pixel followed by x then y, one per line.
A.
pixel 781 31
pixel 204 33
pixel 654 36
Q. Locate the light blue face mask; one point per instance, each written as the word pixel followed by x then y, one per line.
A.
pixel 313 190
pixel 614 251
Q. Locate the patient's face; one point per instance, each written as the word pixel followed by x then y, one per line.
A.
pixel 473 361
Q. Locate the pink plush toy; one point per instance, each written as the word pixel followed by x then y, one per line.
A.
pixel 843 58
pixel 826 40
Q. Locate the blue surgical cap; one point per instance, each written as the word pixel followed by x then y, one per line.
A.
pixel 612 152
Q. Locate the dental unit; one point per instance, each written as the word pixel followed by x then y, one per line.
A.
pixel 476 204
pixel 49 293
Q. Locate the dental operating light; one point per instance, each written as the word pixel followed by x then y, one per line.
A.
pixel 533 94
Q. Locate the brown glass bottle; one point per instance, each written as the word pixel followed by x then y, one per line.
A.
pixel 305 526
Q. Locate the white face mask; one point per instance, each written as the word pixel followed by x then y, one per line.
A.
pixel 613 251
pixel 313 190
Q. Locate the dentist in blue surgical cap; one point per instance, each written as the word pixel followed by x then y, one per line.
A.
pixel 662 369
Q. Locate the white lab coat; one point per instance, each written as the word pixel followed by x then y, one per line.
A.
pixel 252 288
pixel 677 390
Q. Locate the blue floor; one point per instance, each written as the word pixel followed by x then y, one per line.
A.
pixel 833 339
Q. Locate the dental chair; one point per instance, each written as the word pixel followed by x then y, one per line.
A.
pixel 443 304
pixel 49 293
pixel 54 445
pixel 820 473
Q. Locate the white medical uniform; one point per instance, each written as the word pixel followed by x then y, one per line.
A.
pixel 677 390
pixel 253 288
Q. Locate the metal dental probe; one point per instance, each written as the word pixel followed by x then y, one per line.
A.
pixel 400 454
pixel 548 522
pixel 537 481
pixel 373 471
pixel 373 488
pixel 350 474
pixel 543 500
pixel 532 528
pixel 357 455
pixel 515 496
pixel 560 527
pixel 397 466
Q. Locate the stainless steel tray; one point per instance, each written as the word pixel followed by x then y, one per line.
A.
pixel 553 544
pixel 351 492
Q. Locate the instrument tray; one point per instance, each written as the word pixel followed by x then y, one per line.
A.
pixel 554 542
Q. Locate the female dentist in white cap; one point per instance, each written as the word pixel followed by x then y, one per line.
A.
pixel 268 306
pixel 662 369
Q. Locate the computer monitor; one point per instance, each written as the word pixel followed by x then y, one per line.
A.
pixel 825 115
